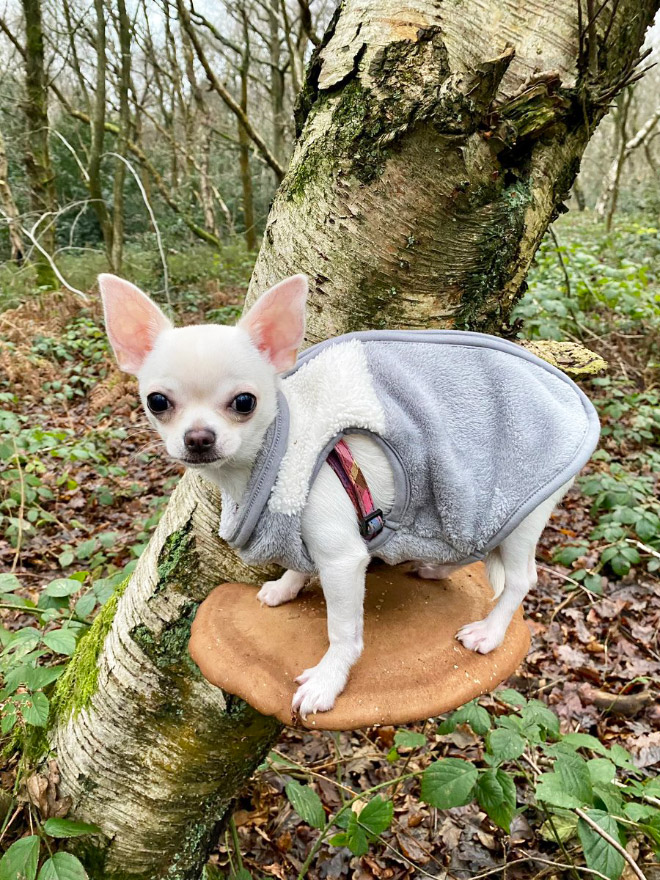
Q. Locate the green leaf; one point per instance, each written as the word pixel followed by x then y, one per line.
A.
pixel 621 758
pixel 306 803
pixel 568 555
pixel 68 828
pixel 408 739
pixel 511 697
pixel 601 771
pixel 496 793
pixel 563 824
pixel 356 837
pixel 37 677
pixel 574 774
pixel 62 641
pixel 376 817
pixel 65 558
pixel 598 853
pixel 85 605
pixel 35 709
pixel 550 789
pixel 536 712
pixel 62 587
pixel 449 782
pixel 9 583
pixel 21 859
pixel 585 741
pixel 640 812
pixel 85 550
pixel 505 744
pixel 476 716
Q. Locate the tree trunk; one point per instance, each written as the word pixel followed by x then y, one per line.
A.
pixel 9 209
pixel 276 81
pixel 121 145
pixel 38 166
pixel 609 197
pixel 98 134
pixel 244 148
pixel 431 161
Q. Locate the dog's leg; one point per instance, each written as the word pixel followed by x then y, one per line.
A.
pixel 517 556
pixel 282 590
pixel 343 587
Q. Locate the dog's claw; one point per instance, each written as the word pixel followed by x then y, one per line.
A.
pixel 481 636
pixel 319 688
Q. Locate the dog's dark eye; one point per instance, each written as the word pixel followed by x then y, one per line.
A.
pixel 158 403
pixel 244 403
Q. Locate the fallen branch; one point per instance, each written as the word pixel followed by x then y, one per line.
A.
pixel 637 871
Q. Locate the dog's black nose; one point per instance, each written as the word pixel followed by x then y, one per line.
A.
pixel 199 439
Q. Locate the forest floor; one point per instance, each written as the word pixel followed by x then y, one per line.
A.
pixel 83 486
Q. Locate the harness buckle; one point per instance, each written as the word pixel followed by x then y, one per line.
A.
pixel 372 525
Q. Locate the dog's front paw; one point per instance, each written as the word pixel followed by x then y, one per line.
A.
pixel 278 592
pixel 482 636
pixel 319 688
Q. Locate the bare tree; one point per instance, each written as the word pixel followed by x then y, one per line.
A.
pixel 9 209
pixel 38 166
pixel 627 144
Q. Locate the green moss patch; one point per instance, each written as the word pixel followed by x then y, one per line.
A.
pixel 78 684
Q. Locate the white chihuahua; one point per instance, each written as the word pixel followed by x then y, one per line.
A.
pixel 213 393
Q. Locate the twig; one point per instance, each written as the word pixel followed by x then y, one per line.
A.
pixel 492 871
pixel 637 871
pixel 153 221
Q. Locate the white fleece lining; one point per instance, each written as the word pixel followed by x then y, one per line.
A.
pixel 329 393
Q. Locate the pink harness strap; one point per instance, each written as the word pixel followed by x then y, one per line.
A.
pixel 370 518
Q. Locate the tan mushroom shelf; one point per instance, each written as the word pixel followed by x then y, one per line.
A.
pixel 412 668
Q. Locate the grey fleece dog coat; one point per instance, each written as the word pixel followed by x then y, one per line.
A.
pixel 477 431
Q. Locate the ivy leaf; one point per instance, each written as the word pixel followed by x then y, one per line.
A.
pixel 448 782
pixel 598 853
pixel 408 739
pixel 21 859
pixel 496 793
pixel 505 744
pixel 306 803
pixel 62 641
pixel 69 828
pixel 35 709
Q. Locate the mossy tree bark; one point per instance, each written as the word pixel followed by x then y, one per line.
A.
pixel 437 143
pixel 38 168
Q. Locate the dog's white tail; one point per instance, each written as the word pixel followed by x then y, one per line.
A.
pixel 495 569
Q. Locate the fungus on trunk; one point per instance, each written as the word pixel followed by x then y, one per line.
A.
pixel 412 668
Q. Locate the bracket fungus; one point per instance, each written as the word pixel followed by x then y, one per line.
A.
pixel 412 667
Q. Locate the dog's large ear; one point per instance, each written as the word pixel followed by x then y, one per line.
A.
pixel 132 320
pixel 276 322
